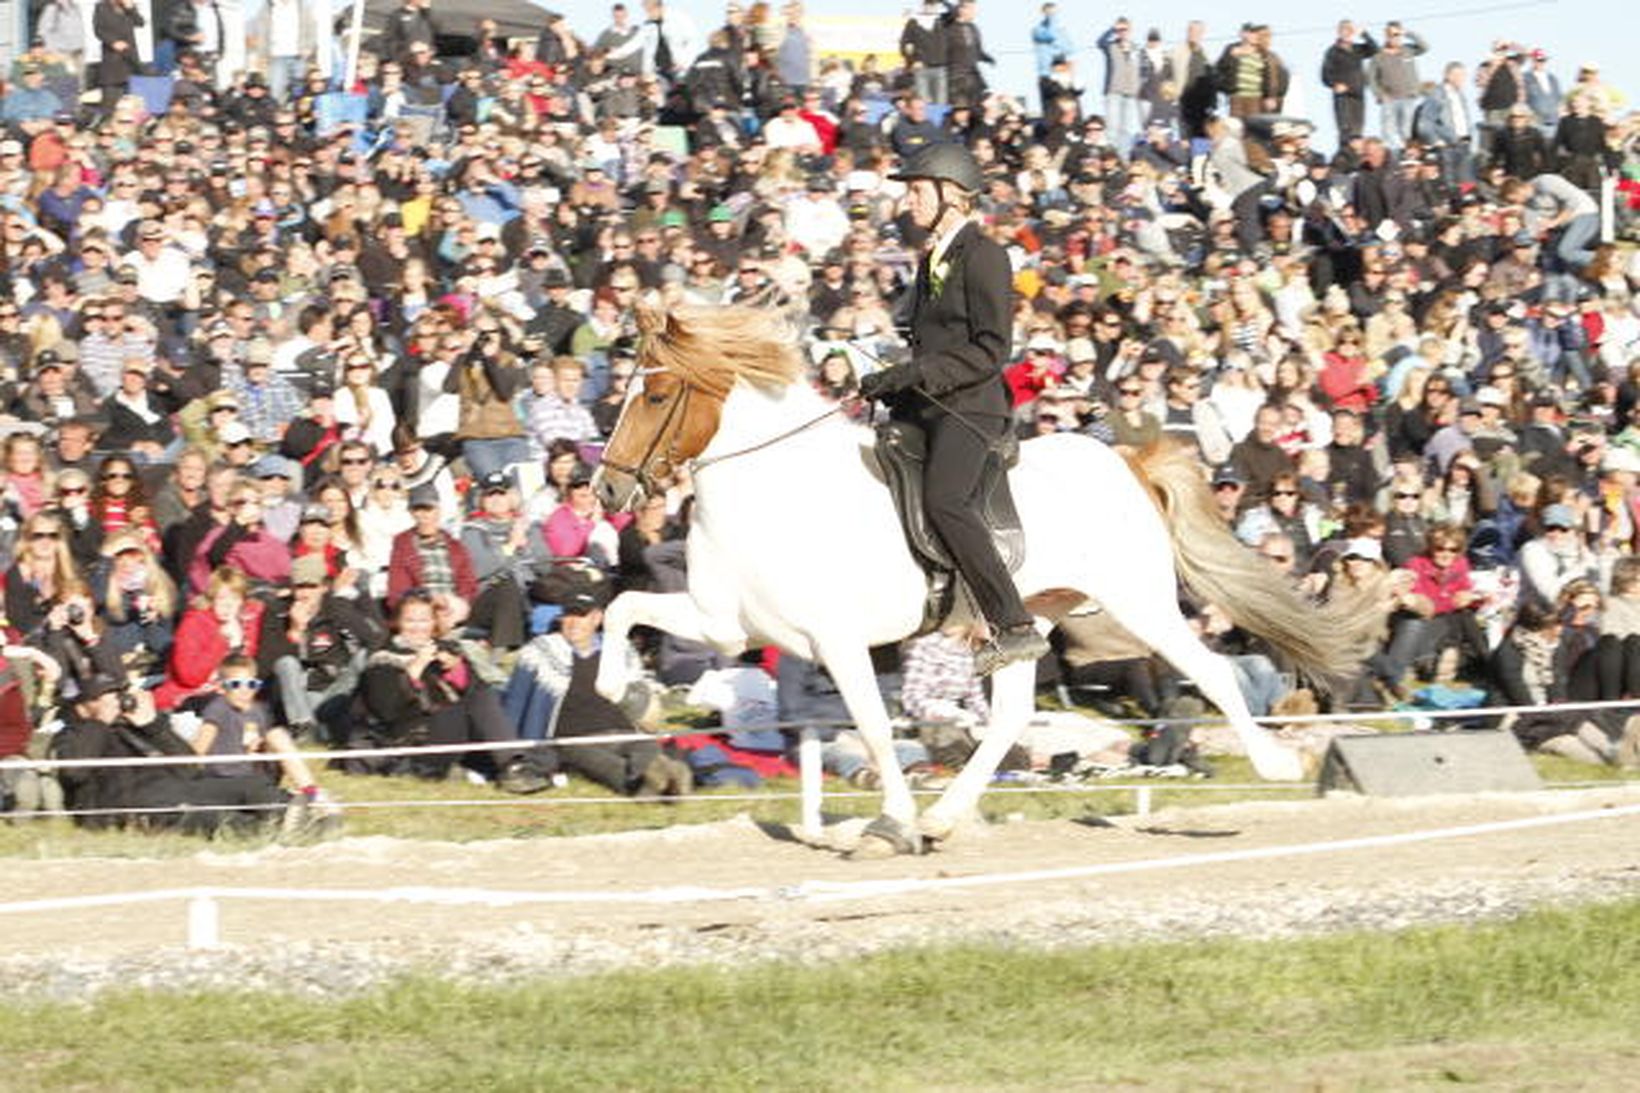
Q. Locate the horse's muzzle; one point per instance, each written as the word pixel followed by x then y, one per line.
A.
pixel 616 490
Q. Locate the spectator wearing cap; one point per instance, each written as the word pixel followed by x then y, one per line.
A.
pixel 162 269
pixel 1039 370
pixel 1519 145
pixel 135 598
pixel 314 645
pixel 30 106
pixel 1557 556
pixel 428 557
pixel 280 478
pixel 52 396
pixel 136 422
pixel 267 401
pixel 815 221
pixel 552 694
pixel 555 320
pixel 504 554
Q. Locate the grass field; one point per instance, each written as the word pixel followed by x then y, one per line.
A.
pixel 496 816
pixel 1547 1001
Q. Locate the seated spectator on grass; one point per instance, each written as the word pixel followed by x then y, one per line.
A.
pixel 223 620
pixel 234 721
pixel 420 690
pixel 137 600
pixel 313 647
pixel 109 721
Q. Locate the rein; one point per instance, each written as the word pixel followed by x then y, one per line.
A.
pixel 701 464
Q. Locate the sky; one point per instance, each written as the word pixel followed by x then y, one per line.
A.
pixel 1572 31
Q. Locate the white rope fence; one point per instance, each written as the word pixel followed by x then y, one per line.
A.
pixel 810 795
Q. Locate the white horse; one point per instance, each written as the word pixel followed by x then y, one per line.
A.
pixel 795 542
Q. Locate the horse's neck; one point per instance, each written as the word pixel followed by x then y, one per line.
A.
pixel 769 442
pixel 753 416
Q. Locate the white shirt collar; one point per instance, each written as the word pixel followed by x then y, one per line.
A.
pixel 943 243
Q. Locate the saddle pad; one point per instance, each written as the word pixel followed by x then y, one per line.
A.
pixel 902 450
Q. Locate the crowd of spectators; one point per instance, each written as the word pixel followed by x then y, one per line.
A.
pixel 304 376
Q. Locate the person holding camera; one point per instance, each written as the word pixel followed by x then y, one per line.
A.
pixel 110 721
pixel 492 438
pixel 73 637
pixel 422 690
pixel 314 645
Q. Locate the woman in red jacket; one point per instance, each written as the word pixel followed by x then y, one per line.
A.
pixel 1442 576
pixel 221 622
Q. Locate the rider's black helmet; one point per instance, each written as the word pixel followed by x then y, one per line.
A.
pixel 948 162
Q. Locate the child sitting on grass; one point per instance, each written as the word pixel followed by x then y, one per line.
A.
pixel 236 722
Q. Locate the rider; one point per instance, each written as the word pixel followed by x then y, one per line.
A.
pixel 961 316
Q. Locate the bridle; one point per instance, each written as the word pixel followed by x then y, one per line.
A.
pixel 644 471
pixel 648 466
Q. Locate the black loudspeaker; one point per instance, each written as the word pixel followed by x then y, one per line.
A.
pixel 1409 764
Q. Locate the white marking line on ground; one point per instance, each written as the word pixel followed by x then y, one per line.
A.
pixel 821 891
pixel 827 890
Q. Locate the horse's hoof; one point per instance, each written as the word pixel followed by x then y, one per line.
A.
pixel 886 837
pixel 1275 763
pixel 936 829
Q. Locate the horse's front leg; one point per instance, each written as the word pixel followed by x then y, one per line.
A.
pixel 894 832
pixel 674 612
pixel 1013 692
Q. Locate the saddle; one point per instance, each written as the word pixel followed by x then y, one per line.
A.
pixel 902 450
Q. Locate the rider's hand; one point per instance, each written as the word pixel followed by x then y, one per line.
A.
pixel 887 381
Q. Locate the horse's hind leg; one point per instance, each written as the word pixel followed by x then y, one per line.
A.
pixel 851 671
pixel 1013 692
pixel 1168 634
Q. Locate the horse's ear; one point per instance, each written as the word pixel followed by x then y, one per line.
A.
pixel 651 316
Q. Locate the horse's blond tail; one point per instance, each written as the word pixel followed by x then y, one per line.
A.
pixel 1216 567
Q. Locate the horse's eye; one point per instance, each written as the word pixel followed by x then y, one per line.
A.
pixel 655 398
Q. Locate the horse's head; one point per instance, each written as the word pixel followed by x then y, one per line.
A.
pixel 669 417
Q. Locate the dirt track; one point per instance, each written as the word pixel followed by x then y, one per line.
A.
pixel 1475 875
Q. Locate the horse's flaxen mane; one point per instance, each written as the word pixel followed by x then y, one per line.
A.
pixel 712 347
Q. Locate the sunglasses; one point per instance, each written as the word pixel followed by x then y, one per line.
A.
pixel 1131 392
pixel 356 461
pixel 1283 493
pixel 242 684
pixel 45 535
pixel 115 476
pixel 1407 496
pixel 70 491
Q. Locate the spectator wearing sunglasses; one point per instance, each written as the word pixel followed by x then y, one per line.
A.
pixel 236 722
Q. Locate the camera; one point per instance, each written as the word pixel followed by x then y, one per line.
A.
pixel 76 614
pixel 128 703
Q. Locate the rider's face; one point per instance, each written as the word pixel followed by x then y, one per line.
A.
pixel 922 200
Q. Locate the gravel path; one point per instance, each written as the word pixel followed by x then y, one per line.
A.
pixel 324 949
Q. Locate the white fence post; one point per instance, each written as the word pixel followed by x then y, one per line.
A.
pixel 809 775
pixel 1141 801
pixel 204 921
